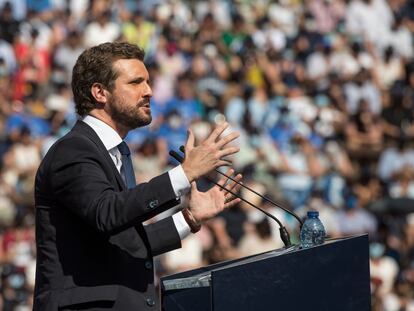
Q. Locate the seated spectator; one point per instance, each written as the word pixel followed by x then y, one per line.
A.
pixel 371 19
pixel 189 256
pixel 401 37
pixel 338 168
pixel 368 188
pixel 362 91
pixel 402 185
pixel 172 134
pixel 397 118
pixel 147 161
pixel 67 53
pixel 7 56
pixel 303 164
pixel 185 104
pixel 389 69
pixel 24 156
pixel 137 29
pixel 329 119
pixel 223 247
pixel 400 298
pixel 364 133
pixel 102 30
pixel 383 270
pixel 354 219
pixel 257 238
pixel 394 158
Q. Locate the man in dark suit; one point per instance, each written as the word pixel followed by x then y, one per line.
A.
pixel 93 251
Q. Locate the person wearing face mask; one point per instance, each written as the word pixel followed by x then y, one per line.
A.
pixel 383 269
pixel 171 134
pixel 353 218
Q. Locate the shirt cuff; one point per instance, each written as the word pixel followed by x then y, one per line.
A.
pixel 181 225
pixel 179 181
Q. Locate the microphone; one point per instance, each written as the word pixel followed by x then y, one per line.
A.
pixel 258 194
pixel 284 234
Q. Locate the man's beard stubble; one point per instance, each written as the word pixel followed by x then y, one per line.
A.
pixel 128 116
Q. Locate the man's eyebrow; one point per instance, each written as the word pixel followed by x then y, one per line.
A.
pixel 136 80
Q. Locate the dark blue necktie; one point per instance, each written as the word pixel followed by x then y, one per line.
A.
pixel 127 171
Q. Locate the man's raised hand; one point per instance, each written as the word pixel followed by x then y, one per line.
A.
pixel 210 154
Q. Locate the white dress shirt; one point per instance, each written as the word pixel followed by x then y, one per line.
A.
pixel 111 139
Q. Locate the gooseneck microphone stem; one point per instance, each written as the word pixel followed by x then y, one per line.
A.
pixel 258 194
pixel 284 234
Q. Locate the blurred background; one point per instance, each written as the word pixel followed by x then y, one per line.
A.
pixel 321 91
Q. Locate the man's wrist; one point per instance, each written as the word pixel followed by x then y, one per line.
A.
pixel 192 223
pixel 188 173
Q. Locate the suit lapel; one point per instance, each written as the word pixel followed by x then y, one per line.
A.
pixel 87 131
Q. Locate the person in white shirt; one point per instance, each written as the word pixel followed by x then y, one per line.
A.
pixel 103 30
pixel 93 250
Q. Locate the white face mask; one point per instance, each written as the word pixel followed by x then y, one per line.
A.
pixel 201 130
pixel 174 122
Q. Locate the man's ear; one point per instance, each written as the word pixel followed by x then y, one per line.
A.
pixel 100 93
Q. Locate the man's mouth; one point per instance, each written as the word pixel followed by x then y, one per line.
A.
pixel 145 104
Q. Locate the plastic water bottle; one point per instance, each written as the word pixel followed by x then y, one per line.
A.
pixel 313 232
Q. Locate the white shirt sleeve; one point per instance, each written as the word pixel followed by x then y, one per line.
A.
pixel 181 225
pixel 181 186
pixel 179 181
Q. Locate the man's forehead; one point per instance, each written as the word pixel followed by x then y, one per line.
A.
pixel 130 68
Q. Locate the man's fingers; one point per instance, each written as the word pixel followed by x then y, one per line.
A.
pixel 234 185
pixel 194 186
pixel 232 203
pixel 216 133
pixel 227 151
pixel 189 145
pixel 224 179
pixel 224 162
pixel 226 139
pixel 230 172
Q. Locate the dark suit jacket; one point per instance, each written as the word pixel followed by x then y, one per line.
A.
pixel 92 249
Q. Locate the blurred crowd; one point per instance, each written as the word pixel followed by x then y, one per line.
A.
pixel 322 92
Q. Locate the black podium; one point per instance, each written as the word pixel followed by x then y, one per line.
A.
pixel 329 277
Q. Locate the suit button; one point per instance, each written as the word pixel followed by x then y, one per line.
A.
pixel 148 264
pixel 150 302
pixel 153 204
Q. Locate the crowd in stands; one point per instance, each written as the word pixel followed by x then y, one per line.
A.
pixel 322 92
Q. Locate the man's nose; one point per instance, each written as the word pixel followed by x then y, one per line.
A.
pixel 148 90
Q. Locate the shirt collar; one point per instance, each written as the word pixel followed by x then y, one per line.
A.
pixel 109 137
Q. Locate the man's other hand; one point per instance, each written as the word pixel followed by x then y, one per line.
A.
pixel 205 205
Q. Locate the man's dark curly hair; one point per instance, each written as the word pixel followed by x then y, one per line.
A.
pixel 94 65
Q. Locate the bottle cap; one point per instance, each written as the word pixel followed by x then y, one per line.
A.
pixel 313 214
